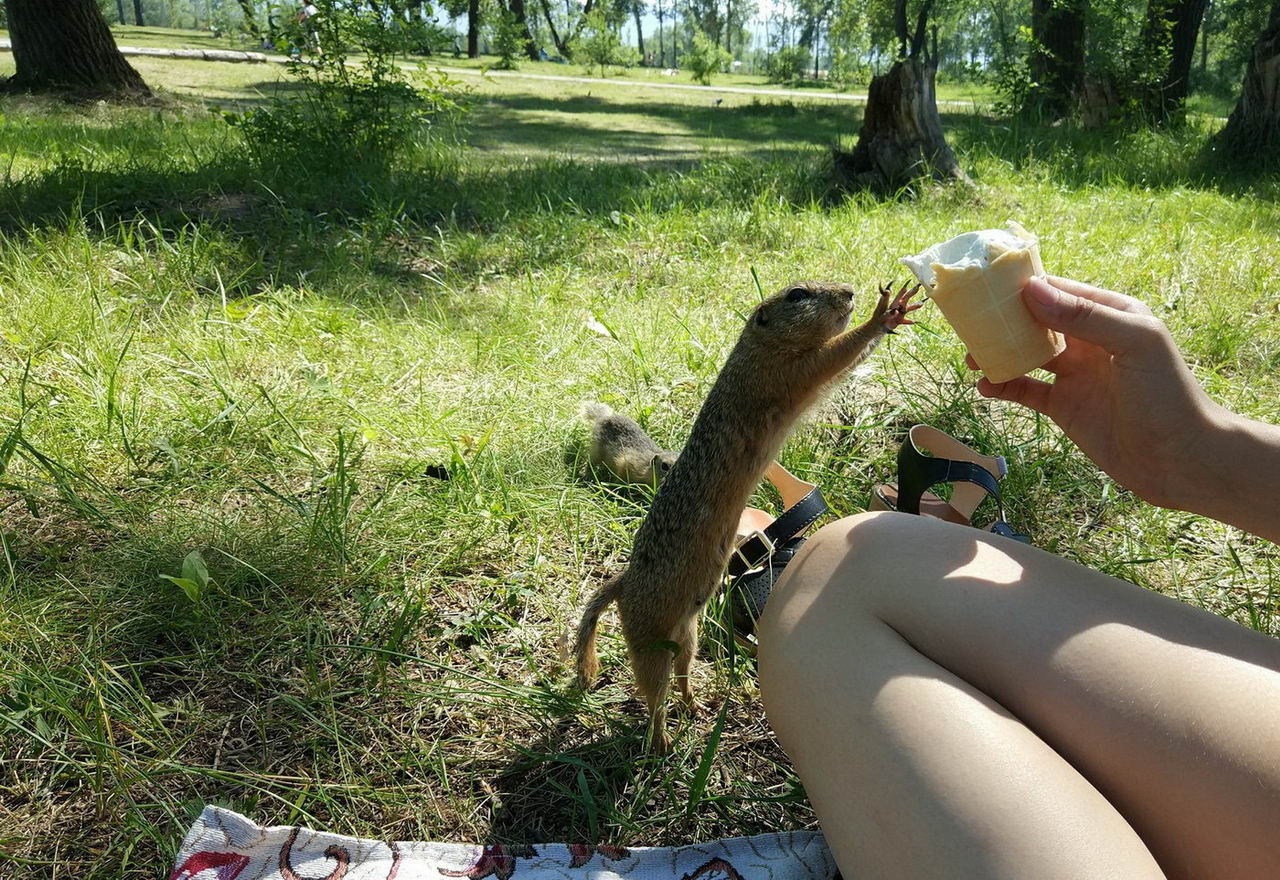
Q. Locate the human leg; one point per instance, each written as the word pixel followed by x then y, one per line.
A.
pixel 944 692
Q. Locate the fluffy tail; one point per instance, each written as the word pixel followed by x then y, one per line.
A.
pixel 584 649
pixel 593 411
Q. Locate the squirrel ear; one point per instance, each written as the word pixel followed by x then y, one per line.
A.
pixel 761 318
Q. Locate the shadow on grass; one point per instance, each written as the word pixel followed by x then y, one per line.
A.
pixel 559 788
pixel 646 130
pixel 1075 157
pixel 297 220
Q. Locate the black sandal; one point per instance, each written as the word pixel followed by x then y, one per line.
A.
pixel 976 477
pixel 762 553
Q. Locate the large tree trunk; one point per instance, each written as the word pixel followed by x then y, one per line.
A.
pixel 1169 35
pixel 1057 55
pixel 530 48
pixel 473 29
pixel 901 138
pixel 67 46
pixel 1253 129
pixel 137 13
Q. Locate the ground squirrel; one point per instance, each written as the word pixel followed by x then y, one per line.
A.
pixel 621 448
pixel 795 344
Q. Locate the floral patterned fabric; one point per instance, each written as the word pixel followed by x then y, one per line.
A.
pixel 223 845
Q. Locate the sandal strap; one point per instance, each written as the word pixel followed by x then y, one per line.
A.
pixel 755 549
pixel 967 496
pixel 917 473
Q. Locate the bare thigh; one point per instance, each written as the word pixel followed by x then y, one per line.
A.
pixel 948 693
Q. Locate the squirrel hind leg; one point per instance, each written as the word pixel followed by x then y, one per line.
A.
pixel 653 679
pixel 687 639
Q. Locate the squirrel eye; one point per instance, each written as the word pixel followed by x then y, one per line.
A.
pixel 796 294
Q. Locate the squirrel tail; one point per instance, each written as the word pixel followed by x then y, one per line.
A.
pixel 584 649
pixel 593 411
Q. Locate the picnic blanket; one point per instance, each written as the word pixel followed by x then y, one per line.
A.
pixel 223 845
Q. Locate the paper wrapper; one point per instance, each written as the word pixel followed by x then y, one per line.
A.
pixel 985 307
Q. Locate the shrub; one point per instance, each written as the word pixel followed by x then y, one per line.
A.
pixel 787 65
pixel 848 69
pixel 350 115
pixel 705 59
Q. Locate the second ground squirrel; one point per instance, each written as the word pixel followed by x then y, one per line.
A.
pixel 621 449
pixel 795 345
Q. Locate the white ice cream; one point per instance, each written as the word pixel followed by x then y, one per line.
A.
pixel 970 249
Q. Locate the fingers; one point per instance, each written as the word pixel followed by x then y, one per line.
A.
pixel 1026 391
pixel 1115 330
pixel 1100 296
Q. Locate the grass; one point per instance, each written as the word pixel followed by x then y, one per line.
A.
pixel 180 38
pixel 271 372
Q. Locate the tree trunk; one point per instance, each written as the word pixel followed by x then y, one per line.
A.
pixel 1003 40
pixel 728 27
pixel 1057 55
pixel 1204 42
pixel 901 138
pixel 137 13
pixel 120 11
pixel 251 19
pixel 67 46
pixel 473 29
pixel 635 7
pixel 517 9
pixel 662 40
pixel 1169 36
pixel 1253 129
pixel 551 25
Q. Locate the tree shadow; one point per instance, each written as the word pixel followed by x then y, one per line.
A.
pixel 643 130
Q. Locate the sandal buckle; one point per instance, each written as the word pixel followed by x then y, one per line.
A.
pixel 754 565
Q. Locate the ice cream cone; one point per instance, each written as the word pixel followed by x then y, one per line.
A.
pixel 983 303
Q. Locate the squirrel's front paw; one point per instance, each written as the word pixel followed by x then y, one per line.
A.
pixel 893 313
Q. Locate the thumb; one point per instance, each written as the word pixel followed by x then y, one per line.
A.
pixel 1115 331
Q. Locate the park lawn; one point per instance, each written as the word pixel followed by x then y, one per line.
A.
pixel 181 38
pixel 271 373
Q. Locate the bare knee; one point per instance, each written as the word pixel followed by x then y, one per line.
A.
pixel 871 542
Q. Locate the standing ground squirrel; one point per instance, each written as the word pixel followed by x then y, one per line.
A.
pixel 621 448
pixel 795 344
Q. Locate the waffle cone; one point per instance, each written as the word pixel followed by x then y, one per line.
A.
pixel 985 307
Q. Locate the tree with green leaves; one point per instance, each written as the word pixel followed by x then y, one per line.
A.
pixel 599 43
pixel 1169 38
pixel 1057 55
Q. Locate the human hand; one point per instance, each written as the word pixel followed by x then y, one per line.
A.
pixel 1121 391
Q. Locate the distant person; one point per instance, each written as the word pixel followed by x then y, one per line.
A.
pixel 307 18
